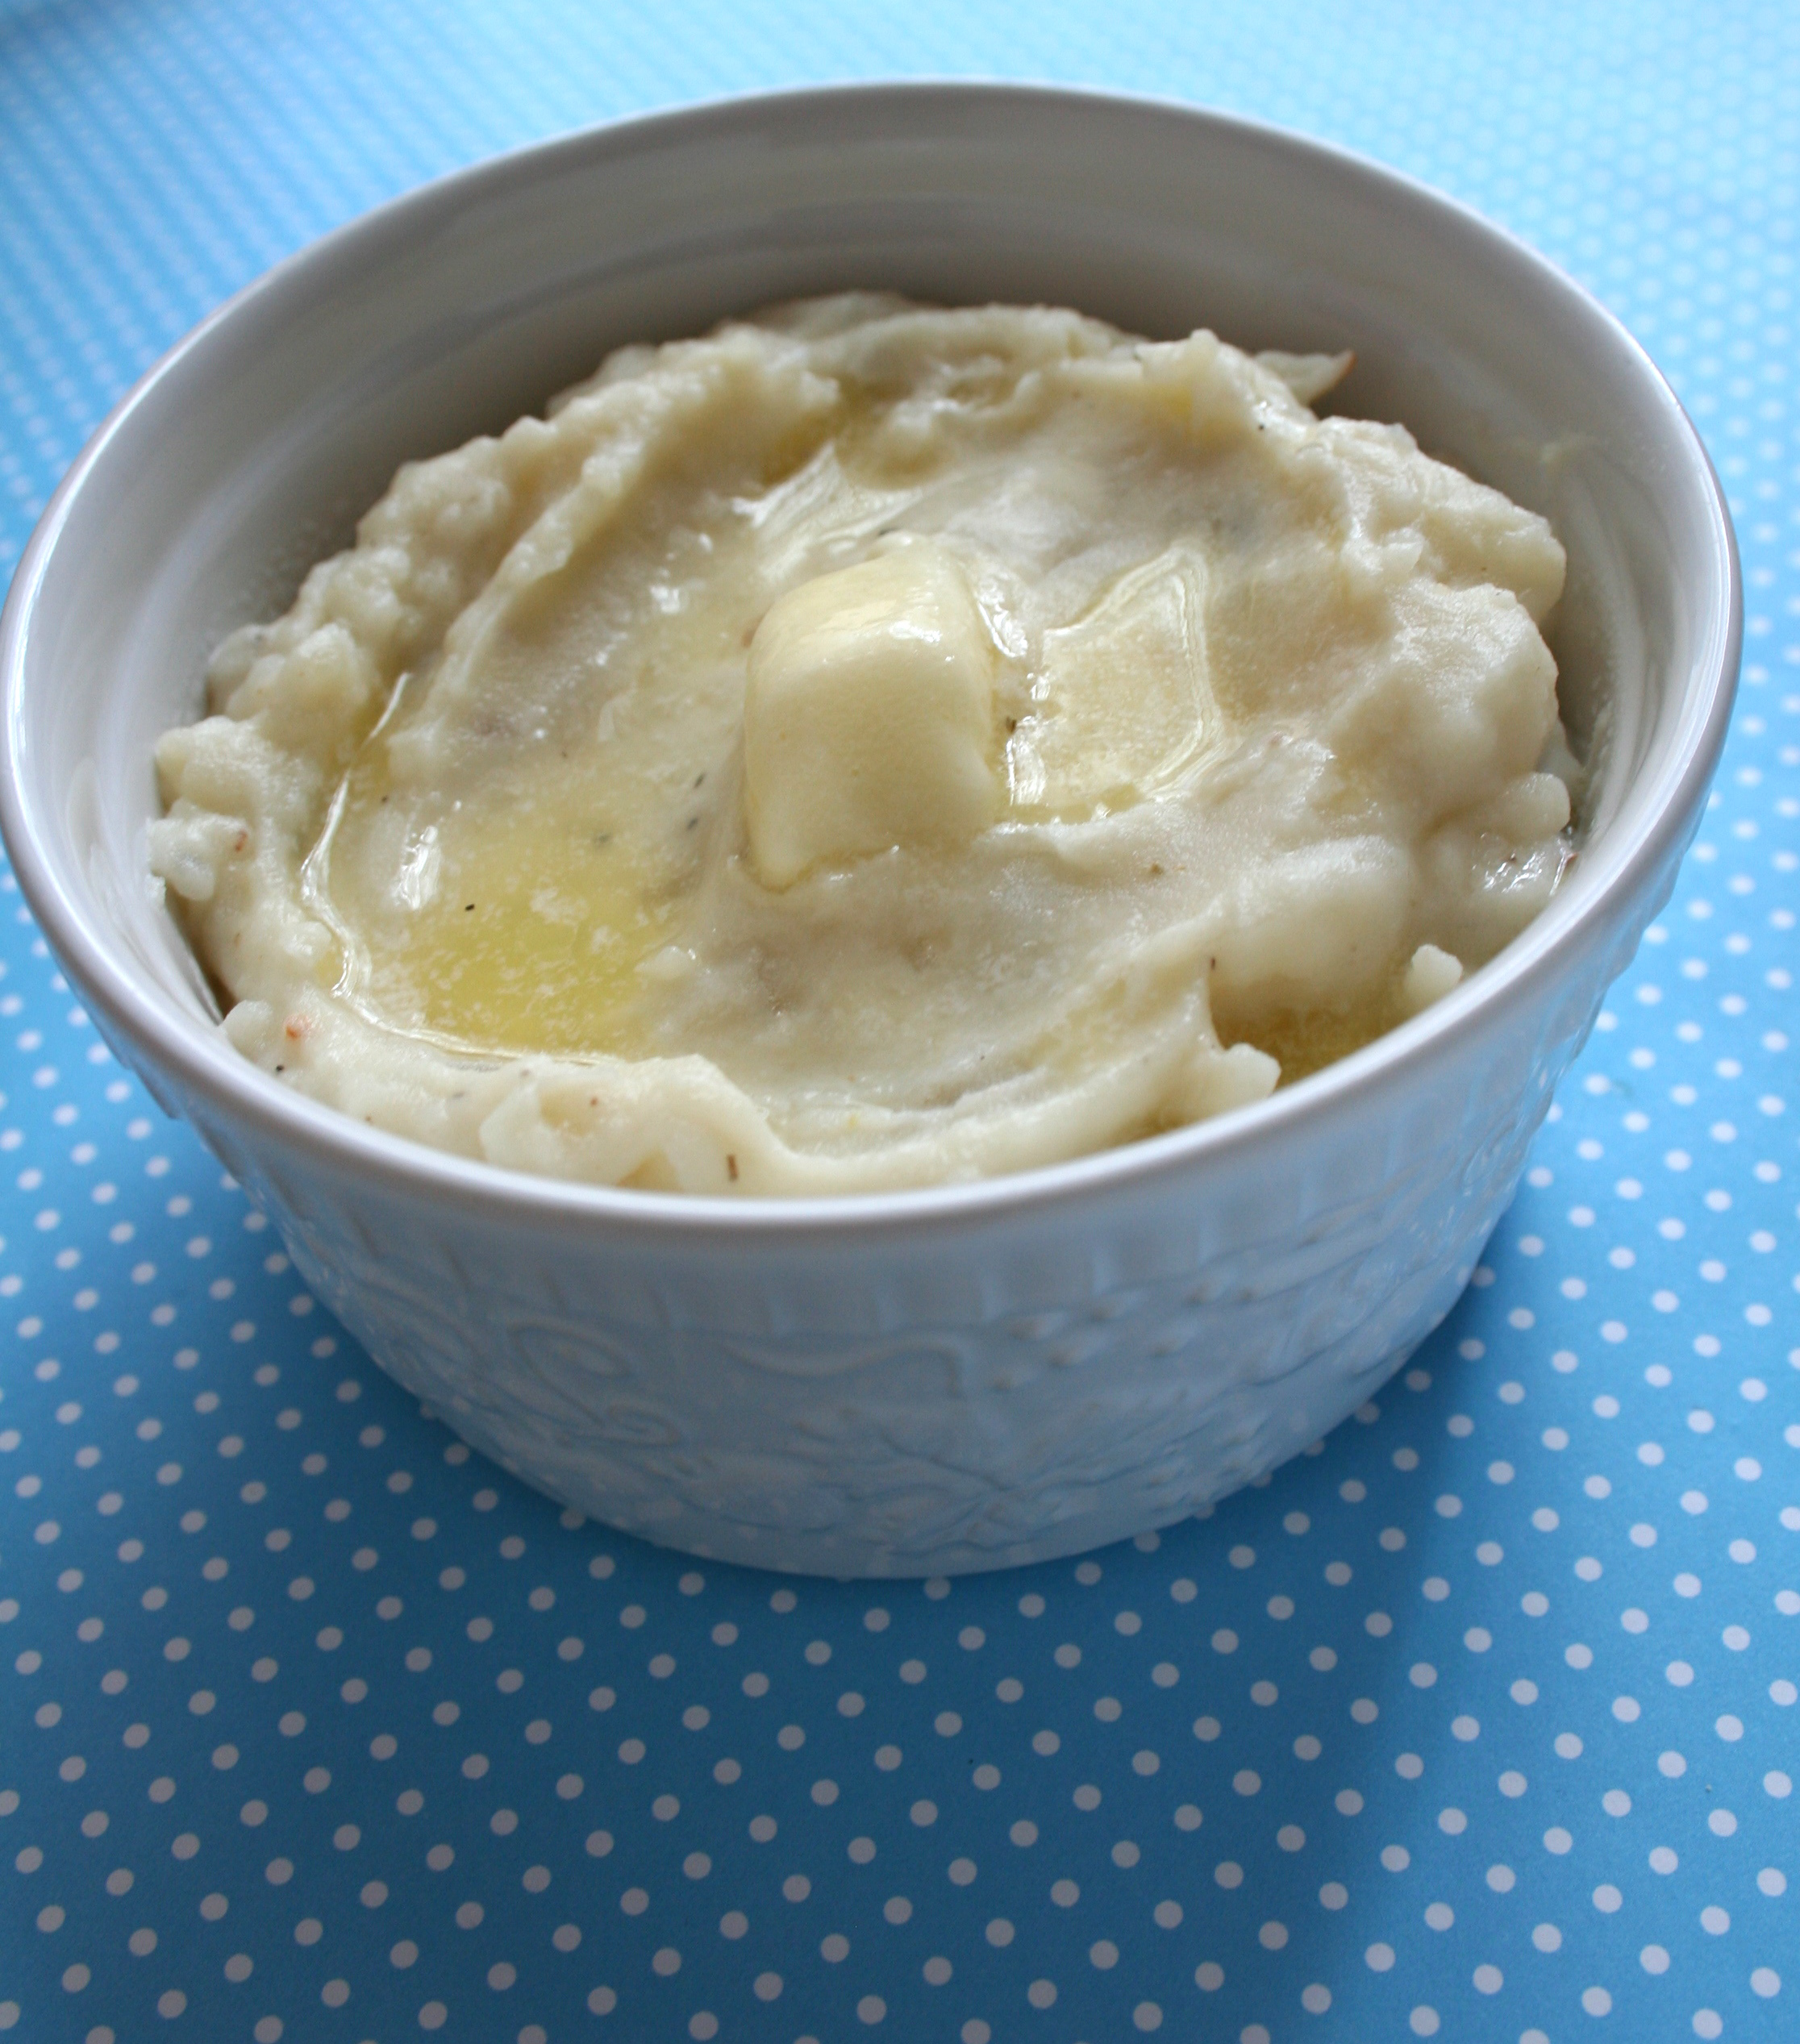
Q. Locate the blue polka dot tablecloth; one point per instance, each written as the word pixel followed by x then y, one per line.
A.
pixel 1478 1721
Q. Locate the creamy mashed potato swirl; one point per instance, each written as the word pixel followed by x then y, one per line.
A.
pixel 874 746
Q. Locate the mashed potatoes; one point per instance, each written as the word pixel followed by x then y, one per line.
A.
pixel 873 745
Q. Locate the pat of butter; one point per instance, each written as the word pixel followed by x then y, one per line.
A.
pixel 869 718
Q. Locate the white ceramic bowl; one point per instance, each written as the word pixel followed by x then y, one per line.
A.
pixel 937 1380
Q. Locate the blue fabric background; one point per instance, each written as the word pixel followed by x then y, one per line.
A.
pixel 1477 1721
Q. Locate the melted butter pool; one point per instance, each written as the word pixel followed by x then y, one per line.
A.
pixel 516 928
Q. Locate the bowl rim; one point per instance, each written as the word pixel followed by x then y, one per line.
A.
pixel 205 1064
